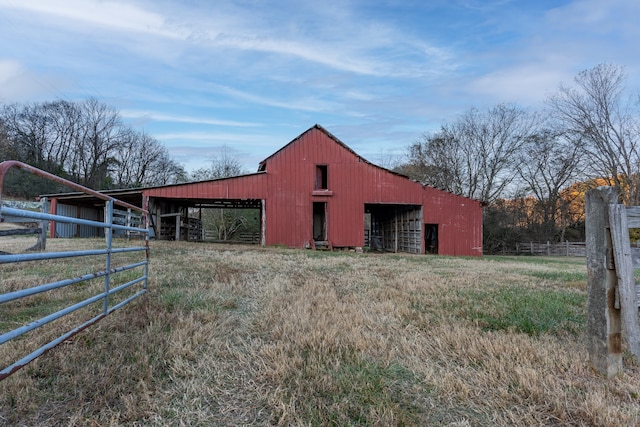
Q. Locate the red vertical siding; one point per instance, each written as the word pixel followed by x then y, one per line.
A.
pixel 242 187
pixel 352 183
pixel 288 185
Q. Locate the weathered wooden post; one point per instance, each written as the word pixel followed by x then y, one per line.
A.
pixel 604 326
pixel 626 285
pixel 42 238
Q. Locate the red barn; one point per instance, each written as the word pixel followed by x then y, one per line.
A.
pixel 316 191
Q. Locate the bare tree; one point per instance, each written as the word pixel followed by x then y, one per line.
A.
pixel 222 165
pixel 436 161
pixel 223 222
pixel 101 138
pixel 86 142
pixel 7 149
pixel 596 111
pixel 167 171
pixel 26 127
pixel 476 155
pixel 548 164
pixel 65 122
pixel 143 161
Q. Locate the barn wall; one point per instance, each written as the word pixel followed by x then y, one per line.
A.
pixel 352 183
pixel 292 178
pixel 459 222
pixel 288 187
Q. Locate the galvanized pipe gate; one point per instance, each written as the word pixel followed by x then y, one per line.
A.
pixel 136 286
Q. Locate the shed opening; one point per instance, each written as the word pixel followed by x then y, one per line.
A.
pixel 218 220
pixel 393 228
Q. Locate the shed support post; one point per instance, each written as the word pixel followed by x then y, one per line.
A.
pixel 604 326
pixel 129 223
pixel 177 228
pixel 41 244
pixel 263 223
pixel 52 224
pixel 395 221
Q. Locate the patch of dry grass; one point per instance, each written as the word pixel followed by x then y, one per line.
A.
pixel 232 335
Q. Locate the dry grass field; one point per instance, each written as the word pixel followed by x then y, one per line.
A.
pixel 232 335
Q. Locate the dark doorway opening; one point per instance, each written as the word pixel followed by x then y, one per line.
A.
pixel 320 221
pixel 431 238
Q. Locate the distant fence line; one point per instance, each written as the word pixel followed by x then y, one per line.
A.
pixel 577 249
pixel 212 236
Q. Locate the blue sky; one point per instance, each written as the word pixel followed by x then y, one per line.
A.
pixel 251 75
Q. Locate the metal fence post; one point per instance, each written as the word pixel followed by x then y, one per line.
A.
pixel 126 290
pixel 108 219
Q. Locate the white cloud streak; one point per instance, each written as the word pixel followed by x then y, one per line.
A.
pixel 362 50
pixel 183 68
pixel 118 15
pixel 163 117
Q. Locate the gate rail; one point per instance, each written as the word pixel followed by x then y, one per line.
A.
pixel 8 214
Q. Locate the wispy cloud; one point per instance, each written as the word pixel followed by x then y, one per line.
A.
pixel 304 103
pixel 118 15
pixel 163 117
pixel 262 72
pixel 374 49
pixel 527 84
pixel 18 83
pixel 211 136
pixel 9 70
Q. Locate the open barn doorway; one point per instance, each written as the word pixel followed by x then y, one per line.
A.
pixel 213 220
pixel 319 222
pixel 431 239
pixel 393 228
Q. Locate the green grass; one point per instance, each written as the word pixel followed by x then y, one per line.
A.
pixel 559 276
pixel 530 311
pixel 353 390
pixel 231 335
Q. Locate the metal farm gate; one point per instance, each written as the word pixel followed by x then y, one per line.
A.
pixel 117 289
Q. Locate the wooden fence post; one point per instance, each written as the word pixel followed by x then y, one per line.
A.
pixel 628 304
pixel 604 326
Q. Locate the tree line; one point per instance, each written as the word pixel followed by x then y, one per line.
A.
pixel 86 142
pixel 531 169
